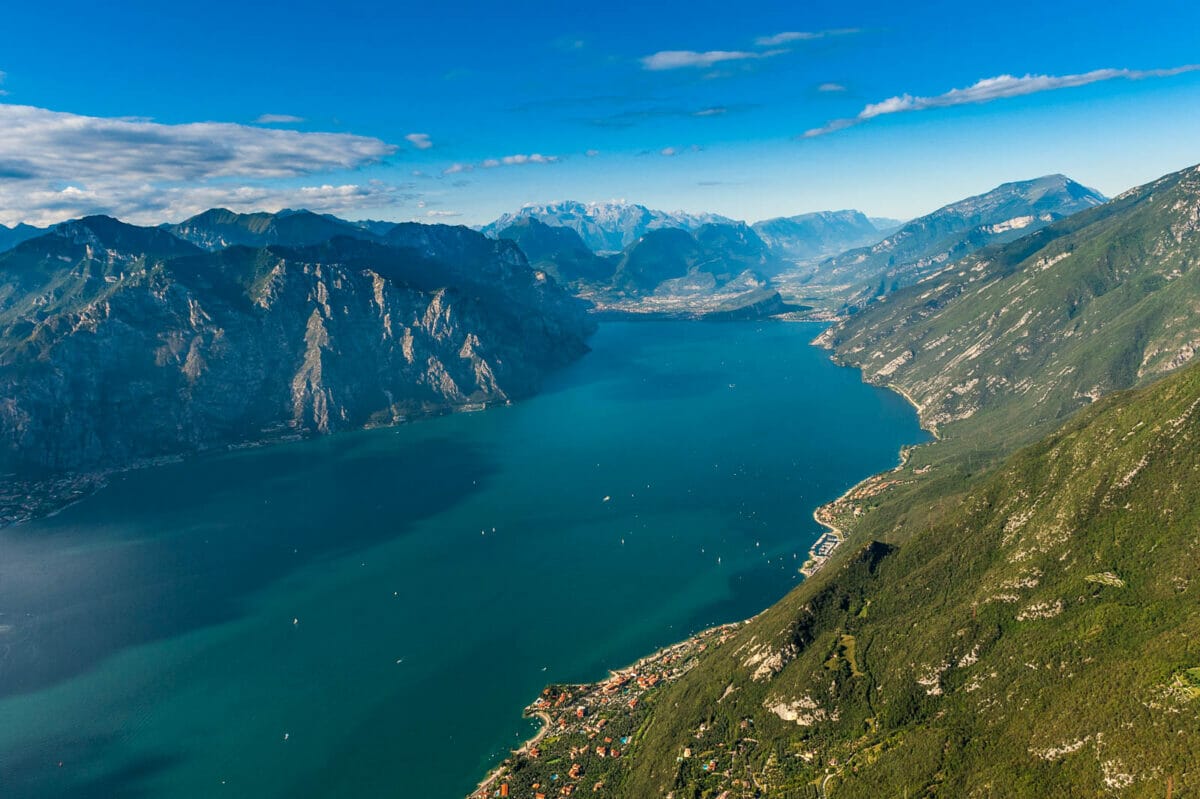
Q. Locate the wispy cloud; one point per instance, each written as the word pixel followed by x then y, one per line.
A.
pixel 632 117
pixel 419 140
pixel 278 119
pixel 691 59
pixel 990 89
pixel 60 164
pixel 438 214
pixel 3 77
pixel 671 152
pixel 519 159
pixel 787 37
pixel 831 87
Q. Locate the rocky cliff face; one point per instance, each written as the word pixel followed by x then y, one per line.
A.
pixel 117 345
pixel 1101 301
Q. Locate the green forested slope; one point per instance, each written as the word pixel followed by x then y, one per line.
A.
pixel 1037 635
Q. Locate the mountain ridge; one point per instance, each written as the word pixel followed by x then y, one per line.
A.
pixel 919 247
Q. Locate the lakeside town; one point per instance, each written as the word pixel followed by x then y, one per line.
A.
pixel 588 729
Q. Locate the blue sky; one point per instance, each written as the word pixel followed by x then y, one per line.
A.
pixel 457 113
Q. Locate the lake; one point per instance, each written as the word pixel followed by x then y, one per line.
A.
pixel 366 614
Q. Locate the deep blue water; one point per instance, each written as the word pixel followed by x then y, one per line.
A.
pixel 366 614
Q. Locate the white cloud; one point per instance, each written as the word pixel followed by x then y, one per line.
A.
pixel 591 153
pixel 787 37
pixel 831 87
pixel 419 140
pixel 989 89
pixel 442 214
pixel 148 205
pixel 55 165
pixel 52 145
pixel 454 169
pixel 278 119
pixel 684 59
pixel 669 151
pixel 3 76
pixel 715 111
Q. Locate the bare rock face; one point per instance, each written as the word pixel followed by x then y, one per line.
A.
pixel 120 343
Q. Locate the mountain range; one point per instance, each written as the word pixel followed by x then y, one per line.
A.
pixel 120 343
pixel 218 228
pixel 605 227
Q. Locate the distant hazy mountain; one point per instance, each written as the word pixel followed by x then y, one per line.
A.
pixel 605 227
pixel 559 251
pixel 819 234
pixel 120 342
pixel 885 224
pixel 674 261
pixel 12 236
pixel 218 228
pixel 925 245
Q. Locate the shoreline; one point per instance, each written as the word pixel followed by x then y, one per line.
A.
pixel 23 501
pixel 819 554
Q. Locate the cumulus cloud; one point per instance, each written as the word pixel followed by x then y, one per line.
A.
pixel 419 140
pixel 684 59
pixel 990 89
pixel 278 119
pixel 787 37
pixel 58 165
pixel 455 168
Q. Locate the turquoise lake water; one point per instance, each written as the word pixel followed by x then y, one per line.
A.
pixel 366 614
